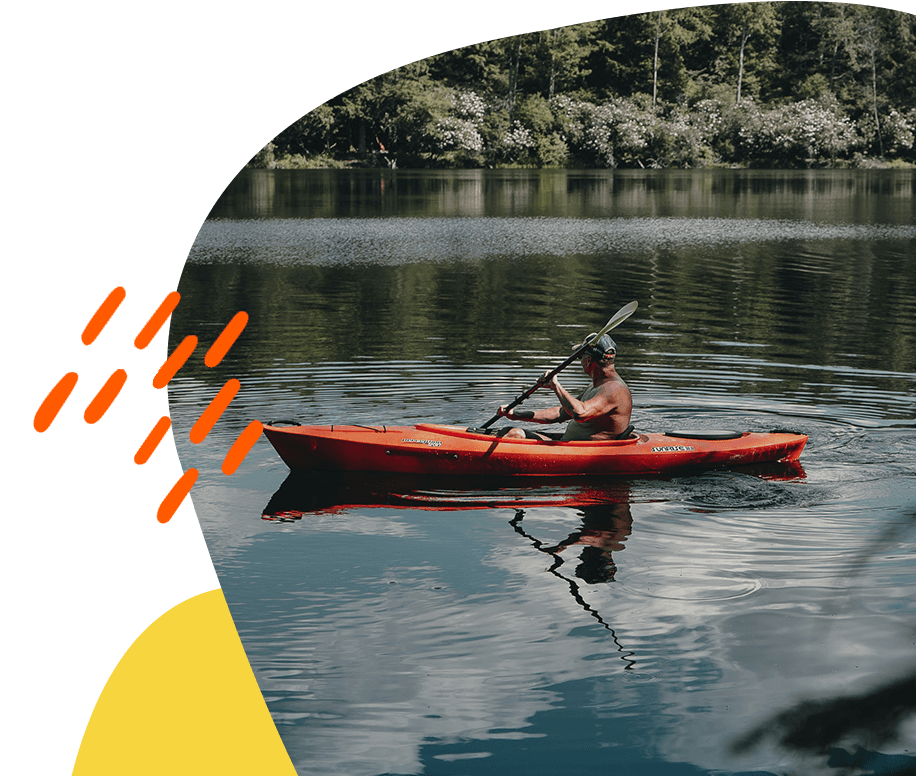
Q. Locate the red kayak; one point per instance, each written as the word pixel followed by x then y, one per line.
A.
pixel 429 448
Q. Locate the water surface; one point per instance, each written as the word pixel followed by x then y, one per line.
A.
pixel 620 626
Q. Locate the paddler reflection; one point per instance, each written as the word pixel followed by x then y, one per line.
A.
pixel 603 530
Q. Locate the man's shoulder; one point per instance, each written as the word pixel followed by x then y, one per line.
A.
pixel 613 385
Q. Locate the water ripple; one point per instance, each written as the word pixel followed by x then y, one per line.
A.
pixel 395 241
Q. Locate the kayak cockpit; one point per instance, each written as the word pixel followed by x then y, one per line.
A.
pixel 628 437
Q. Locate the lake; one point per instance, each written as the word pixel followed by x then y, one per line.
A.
pixel 637 626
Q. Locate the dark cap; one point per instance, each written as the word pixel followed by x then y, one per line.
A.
pixel 603 347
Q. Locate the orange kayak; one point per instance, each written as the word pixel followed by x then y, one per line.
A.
pixel 429 448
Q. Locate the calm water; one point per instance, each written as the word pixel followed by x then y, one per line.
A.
pixel 634 626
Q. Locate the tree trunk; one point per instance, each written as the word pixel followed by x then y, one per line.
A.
pixel 553 64
pixel 658 37
pixel 874 101
pixel 516 55
pixel 745 34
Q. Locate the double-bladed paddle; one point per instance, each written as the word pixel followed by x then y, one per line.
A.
pixel 619 317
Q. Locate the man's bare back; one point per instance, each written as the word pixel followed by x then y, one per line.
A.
pixel 608 407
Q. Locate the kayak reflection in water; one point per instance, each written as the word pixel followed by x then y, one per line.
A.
pixel 599 412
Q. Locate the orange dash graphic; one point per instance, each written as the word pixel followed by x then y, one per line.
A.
pixel 210 415
pixel 152 441
pixel 226 339
pixel 158 318
pixel 54 401
pixel 103 399
pixel 103 315
pixel 60 393
pixel 176 495
pixel 241 447
pixel 174 362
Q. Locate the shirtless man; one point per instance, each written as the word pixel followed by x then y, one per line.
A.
pixel 599 412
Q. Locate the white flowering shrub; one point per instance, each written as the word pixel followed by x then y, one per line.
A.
pixel 805 133
pixel 897 132
pixel 514 144
pixel 570 117
pixel 901 131
pixel 598 136
pixel 683 138
pixel 708 119
pixel 459 134
pixel 469 106
pixel 457 137
pixel 518 137
pixel 619 131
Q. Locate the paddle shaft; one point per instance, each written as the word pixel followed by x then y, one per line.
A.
pixel 625 312
pixel 521 397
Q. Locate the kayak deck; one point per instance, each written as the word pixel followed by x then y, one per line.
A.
pixel 429 448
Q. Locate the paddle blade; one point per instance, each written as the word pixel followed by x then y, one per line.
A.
pixel 619 317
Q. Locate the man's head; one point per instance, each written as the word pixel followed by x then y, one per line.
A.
pixel 603 351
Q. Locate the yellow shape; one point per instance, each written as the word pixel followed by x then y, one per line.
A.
pixel 184 700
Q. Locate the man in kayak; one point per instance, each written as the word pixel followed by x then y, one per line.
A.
pixel 599 412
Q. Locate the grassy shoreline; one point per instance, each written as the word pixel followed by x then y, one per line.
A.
pixel 375 161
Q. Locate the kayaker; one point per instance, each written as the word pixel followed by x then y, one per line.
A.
pixel 599 412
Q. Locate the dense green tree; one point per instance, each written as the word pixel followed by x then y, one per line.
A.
pixel 621 61
pixel 780 83
pixel 801 51
pixel 674 32
pixel 562 55
pixel 313 132
pixel 745 25
pixel 513 50
pixel 480 67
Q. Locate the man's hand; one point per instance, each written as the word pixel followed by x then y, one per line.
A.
pixel 504 412
pixel 547 380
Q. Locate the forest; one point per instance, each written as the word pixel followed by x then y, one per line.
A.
pixel 763 84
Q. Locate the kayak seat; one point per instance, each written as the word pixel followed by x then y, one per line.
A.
pixel 711 434
pixel 554 435
pixel 558 435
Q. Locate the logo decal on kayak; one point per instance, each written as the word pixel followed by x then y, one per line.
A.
pixel 430 442
pixel 672 449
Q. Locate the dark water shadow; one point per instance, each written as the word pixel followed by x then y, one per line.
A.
pixel 846 731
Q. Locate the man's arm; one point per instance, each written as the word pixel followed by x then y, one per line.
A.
pixel 582 411
pixel 550 415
